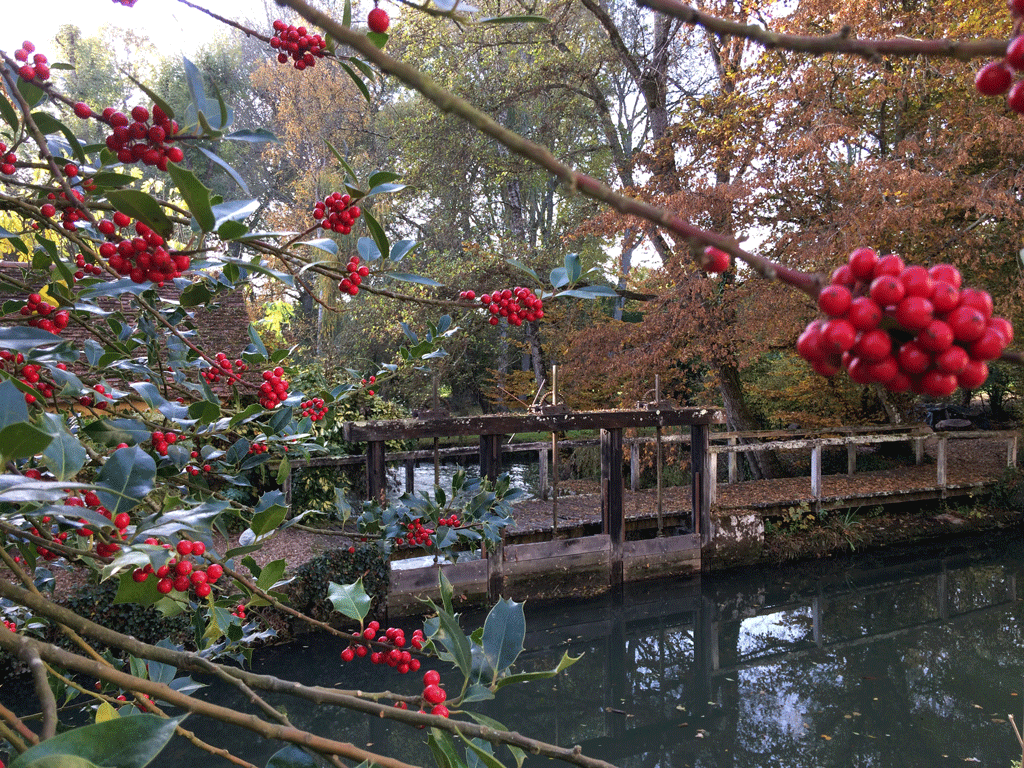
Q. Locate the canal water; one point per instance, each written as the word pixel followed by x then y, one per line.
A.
pixel 912 657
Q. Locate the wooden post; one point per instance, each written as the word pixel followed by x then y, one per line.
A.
pixel 940 462
pixel 490 456
pixel 376 472
pixel 1011 452
pixel 634 465
pixel 851 459
pixel 816 475
pixel 613 508
pixel 410 475
pixel 542 465
pixel 919 450
pixel 733 461
pixel 700 466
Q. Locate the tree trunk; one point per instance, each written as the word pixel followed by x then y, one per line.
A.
pixel 762 464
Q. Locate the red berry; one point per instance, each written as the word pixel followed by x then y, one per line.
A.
pixel 834 300
pixel 1015 98
pixel 378 20
pixel 431 677
pixel 993 79
pixel 434 694
pixel 862 263
pixel 716 260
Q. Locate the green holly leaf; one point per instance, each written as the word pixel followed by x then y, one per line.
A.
pixel 127 742
pixel 349 600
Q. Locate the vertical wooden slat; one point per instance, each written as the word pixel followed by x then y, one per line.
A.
pixel 713 476
pixel 700 468
pixel 376 472
pixel 1011 452
pixel 816 474
pixel 542 463
pixel 613 508
pixel 733 461
pixel 410 475
pixel 940 462
pixel 496 570
pixel 490 456
pixel 634 465
pixel 919 450
pixel 851 459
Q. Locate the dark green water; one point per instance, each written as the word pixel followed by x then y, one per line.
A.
pixel 910 658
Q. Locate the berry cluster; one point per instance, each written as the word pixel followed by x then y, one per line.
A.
pixel 296 43
pixel 274 388
pixel 194 470
pixel 28 374
pixel 996 77
pixel 356 273
pixel 378 20
pixel 134 139
pixel 416 535
pixel 904 327
pixel 39 314
pixel 85 267
pixel 39 68
pixel 10 625
pixel 452 521
pixel 180 574
pixel 434 694
pixel 255 449
pixel 393 656
pixel 142 257
pixel 315 409
pixel 224 368
pixel 87 400
pixel 515 304
pixel 239 611
pixel 7 160
pixel 337 213
pixel 161 440
pixel 70 211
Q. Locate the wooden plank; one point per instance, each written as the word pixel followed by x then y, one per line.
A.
pixel 733 468
pixel 613 512
pixel 816 472
pixel 424 580
pixel 940 462
pixel 557 548
pixel 851 460
pixel 506 424
pixel 490 456
pixel 700 468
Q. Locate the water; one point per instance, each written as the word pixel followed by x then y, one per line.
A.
pixel 905 659
pixel 523 473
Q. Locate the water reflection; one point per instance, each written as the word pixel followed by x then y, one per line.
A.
pixel 911 660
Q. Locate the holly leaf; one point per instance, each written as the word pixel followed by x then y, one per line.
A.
pixel 126 742
pixel 143 207
pixel 125 479
pixel 349 600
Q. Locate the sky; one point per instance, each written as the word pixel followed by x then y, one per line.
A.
pixel 174 27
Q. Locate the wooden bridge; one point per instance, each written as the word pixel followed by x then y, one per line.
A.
pixel 588 541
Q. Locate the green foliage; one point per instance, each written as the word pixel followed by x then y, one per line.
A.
pixel 96 602
pixel 128 742
pixel 308 591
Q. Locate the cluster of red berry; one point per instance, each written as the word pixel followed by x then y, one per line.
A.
pixel 7 160
pixel 996 77
pixel 135 139
pixel 239 611
pixel 119 523
pixel 315 409
pixel 378 20
pixel 85 267
pixel 356 273
pixel 904 327
pixel 434 694
pixel 337 213
pixel 181 574
pixel 70 210
pixel 87 400
pixel 395 657
pixel 39 66
pixel 161 440
pixel 38 313
pixel 224 368
pixel 452 521
pixel 142 257
pixel 274 388
pixel 10 625
pixel 296 43
pixel 14 364
pixel 514 304
pixel 255 449
pixel 194 470
pixel 415 535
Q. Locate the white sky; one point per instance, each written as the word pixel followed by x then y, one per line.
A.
pixel 172 26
